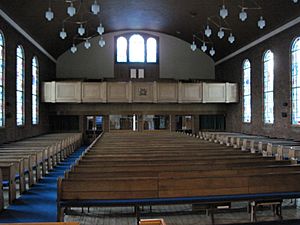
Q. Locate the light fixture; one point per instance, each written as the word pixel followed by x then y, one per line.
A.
pixel 204 47
pixel 100 29
pixel 261 23
pixel 73 49
pixel 101 42
pixel 223 12
pixel 71 10
pixel 87 44
pixel 207 31
pixel 221 33
pixel 212 51
pixel 49 14
pixel 243 15
pixel 231 38
pixel 81 17
pixel 95 8
pixel 295 1
pixel 193 46
pixel 81 30
pixel 63 33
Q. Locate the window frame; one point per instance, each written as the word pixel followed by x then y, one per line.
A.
pixel 2 83
pixel 145 37
pixel 23 86
pixel 243 90
pixel 264 87
pixel 296 39
pixel 37 109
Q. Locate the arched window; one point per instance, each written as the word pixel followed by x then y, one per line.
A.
pixel 268 65
pixel 246 91
pixel 2 90
pixel 295 51
pixel 35 91
pixel 136 48
pixel 20 86
pixel 151 50
pixel 121 49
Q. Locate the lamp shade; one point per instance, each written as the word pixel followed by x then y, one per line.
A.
pixel 212 51
pixel 63 33
pixel 49 14
pixel 243 15
pixel 221 33
pixel 231 38
pixel 261 23
pixel 193 46
pixel 100 29
pixel 204 47
pixel 71 10
pixel 81 30
pixel 87 44
pixel 95 8
pixel 73 49
pixel 208 31
pixel 101 42
pixel 223 12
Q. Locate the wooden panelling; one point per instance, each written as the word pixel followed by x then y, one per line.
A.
pixel 68 91
pixel 167 92
pixel 231 92
pixel 48 93
pixel 189 92
pixel 139 92
pixel 143 92
pixel 119 92
pixel 93 92
pixel 214 92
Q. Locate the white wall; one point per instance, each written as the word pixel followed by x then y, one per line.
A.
pixel 176 60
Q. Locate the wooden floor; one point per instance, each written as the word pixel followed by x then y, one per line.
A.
pixel 178 215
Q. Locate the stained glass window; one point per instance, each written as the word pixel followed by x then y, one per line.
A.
pixel 20 86
pixel 2 63
pixel 268 65
pixel 121 49
pixel 296 82
pixel 136 48
pixel 35 90
pixel 151 50
pixel 246 91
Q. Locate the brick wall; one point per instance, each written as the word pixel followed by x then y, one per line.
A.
pixel 231 71
pixel 47 72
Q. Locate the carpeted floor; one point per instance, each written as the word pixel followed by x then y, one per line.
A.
pixel 39 203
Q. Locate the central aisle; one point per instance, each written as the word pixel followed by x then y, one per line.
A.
pixel 39 203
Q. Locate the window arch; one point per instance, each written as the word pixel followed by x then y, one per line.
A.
pixel 295 55
pixel 20 86
pixel 151 50
pixel 268 87
pixel 122 49
pixel 2 78
pixel 246 91
pixel 35 90
pixel 136 48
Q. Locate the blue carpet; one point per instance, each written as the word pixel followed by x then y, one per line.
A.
pixel 39 203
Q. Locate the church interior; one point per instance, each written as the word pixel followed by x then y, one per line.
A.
pixel 161 112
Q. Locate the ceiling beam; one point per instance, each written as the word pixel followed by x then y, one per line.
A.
pixel 26 35
pixel 260 40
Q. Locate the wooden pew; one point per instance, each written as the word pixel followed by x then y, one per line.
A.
pixel 1 192
pixel 152 222
pixel 9 174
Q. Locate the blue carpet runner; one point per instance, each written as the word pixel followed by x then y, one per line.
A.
pixel 38 204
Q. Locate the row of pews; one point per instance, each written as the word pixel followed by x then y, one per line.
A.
pixel 23 163
pixel 270 147
pixel 158 168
